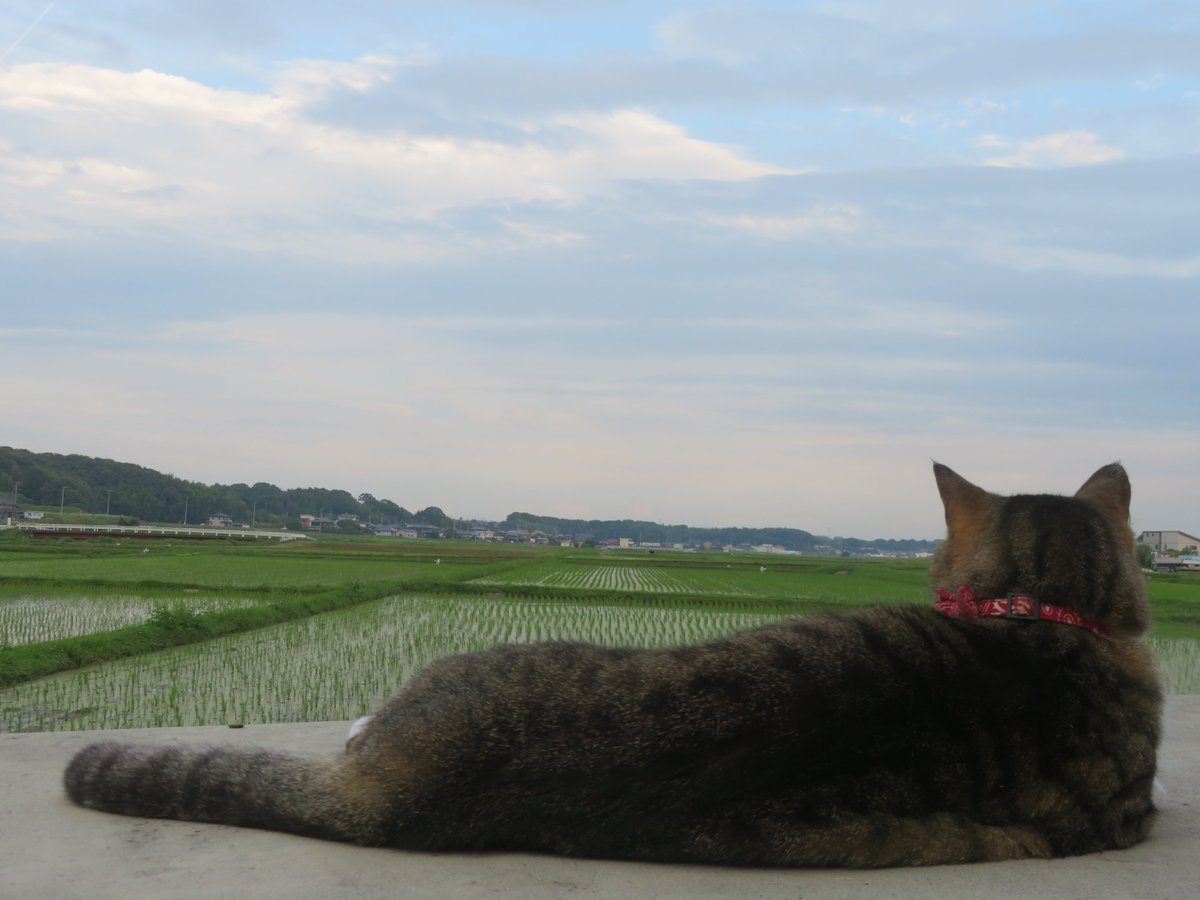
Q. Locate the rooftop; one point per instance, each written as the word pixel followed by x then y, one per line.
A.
pixel 52 849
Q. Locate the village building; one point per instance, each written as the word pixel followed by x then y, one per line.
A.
pixel 9 511
pixel 1170 541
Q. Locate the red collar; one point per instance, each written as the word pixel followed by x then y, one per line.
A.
pixel 964 605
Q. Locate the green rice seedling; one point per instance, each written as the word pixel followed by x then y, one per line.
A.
pixel 1179 664
pixel 333 666
pixel 32 618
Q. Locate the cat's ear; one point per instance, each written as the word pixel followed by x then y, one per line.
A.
pixel 1108 489
pixel 965 503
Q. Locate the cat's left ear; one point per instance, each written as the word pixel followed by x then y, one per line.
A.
pixel 1109 489
pixel 965 504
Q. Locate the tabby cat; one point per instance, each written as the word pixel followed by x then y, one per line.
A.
pixel 982 728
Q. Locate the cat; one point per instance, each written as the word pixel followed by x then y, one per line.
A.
pixel 884 736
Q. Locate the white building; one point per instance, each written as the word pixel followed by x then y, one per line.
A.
pixel 1162 541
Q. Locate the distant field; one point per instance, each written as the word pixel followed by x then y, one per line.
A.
pixel 257 568
pixel 447 598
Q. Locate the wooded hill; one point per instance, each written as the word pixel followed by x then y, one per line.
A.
pixel 94 485
pixel 127 490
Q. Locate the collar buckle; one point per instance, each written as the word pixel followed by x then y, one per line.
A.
pixel 1022 606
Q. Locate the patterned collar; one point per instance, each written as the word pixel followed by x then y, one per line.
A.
pixel 965 605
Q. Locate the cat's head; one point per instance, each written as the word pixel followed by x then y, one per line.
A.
pixel 1071 551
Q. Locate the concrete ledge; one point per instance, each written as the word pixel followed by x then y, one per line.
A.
pixel 51 849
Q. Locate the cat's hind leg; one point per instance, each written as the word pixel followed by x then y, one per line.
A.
pixel 877 841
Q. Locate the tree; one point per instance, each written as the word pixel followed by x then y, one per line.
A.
pixel 1145 556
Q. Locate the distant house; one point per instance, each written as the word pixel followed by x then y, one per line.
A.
pixel 34 514
pixel 1162 541
pixel 220 520
pixel 9 510
pixel 313 523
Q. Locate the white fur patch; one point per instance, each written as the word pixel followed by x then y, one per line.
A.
pixel 358 726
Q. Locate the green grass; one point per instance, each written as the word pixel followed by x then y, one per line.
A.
pixel 227 567
pixel 1175 606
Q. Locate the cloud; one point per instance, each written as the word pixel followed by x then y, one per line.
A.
pixel 741 267
pixel 1089 262
pixel 834 218
pixel 252 170
pixel 1062 148
pixel 484 414
pixel 308 81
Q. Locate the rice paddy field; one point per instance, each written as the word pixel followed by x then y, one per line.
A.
pixel 30 618
pixel 435 600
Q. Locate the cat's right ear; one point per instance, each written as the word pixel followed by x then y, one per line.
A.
pixel 965 503
pixel 1109 489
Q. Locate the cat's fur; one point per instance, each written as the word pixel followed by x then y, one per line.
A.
pixel 886 736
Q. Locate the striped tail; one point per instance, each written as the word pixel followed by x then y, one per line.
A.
pixel 232 786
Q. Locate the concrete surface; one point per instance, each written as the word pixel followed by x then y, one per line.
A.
pixel 50 848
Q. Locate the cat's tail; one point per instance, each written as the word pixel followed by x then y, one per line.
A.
pixel 234 786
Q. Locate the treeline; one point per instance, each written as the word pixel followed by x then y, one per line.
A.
pixel 653 532
pixel 93 485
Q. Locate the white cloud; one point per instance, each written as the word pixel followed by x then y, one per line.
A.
pixel 308 80
pixel 1093 263
pixel 837 217
pixel 534 235
pixel 633 143
pixel 136 150
pixel 1062 148
pixel 1153 83
pixel 59 90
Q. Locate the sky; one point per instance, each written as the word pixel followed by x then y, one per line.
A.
pixel 706 264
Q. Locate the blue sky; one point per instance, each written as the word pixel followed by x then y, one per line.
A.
pixel 705 264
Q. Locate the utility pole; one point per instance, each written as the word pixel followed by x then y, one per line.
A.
pixel 62 500
pixel 108 503
pixel 185 506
